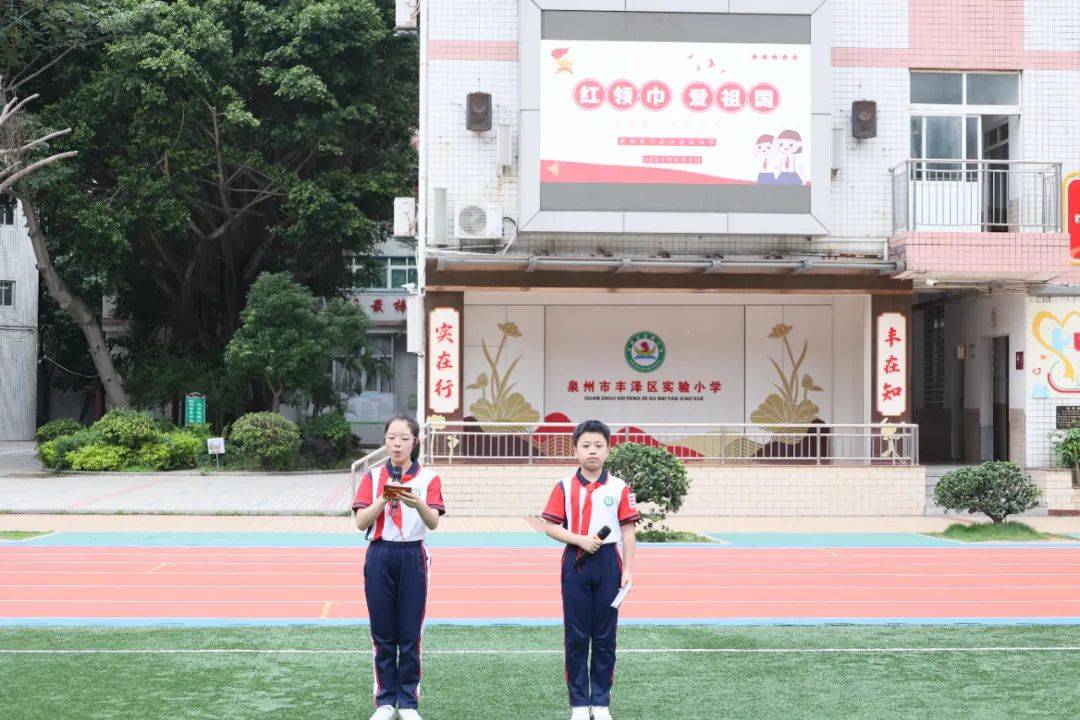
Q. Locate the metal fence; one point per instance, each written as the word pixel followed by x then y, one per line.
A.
pixel 976 196
pixel 798 444
pixel 361 466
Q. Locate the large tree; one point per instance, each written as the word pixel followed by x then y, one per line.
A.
pixel 222 138
pixel 37 38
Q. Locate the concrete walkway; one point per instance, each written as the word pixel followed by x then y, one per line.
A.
pixel 192 493
pixel 19 458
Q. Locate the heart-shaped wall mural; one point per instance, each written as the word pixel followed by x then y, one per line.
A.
pixel 1059 335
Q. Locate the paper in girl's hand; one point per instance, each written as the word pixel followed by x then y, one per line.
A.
pixel 623 591
pixel 392 490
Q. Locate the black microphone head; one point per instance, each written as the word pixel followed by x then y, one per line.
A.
pixel 604 532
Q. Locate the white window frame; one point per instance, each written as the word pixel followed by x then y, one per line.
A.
pixel 961 110
pixel 388 269
pixel 7 290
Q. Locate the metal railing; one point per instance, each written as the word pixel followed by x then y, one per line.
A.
pixel 361 466
pixel 792 443
pixel 976 196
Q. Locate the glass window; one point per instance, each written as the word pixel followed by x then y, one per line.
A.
pixel 7 293
pixel 7 213
pixel 971 138
pixel 916 136
pixel 944 139
pixel 993 89
pixel 383 348
pixel 937 88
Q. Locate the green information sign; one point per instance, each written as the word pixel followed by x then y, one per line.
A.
pixel 195 409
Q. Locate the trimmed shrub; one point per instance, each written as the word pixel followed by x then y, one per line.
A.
pixel 46 453
pixel 657 478
pixel 99 457
pixel 58 428
pixel 267 438
pixel 995 489
pixel 332 427
pixel 200 431
pixel 154 456
pixel 67 444
pixel 128 428
pixel 184 449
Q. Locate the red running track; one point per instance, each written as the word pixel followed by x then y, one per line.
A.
pixel 714 584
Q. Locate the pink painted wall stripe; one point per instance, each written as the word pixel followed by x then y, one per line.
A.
pixel 499 50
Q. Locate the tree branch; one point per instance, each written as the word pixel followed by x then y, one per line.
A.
pixel 6 184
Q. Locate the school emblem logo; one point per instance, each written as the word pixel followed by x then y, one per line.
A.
pixel 645 351
pixel 609 501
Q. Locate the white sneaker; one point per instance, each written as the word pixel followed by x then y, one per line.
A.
pixel 384 712
pixel 408 714
pixel 579 713
pixel 600 713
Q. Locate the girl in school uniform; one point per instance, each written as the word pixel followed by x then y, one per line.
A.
pixel 396 565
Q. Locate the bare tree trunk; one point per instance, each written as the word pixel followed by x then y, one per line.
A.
pixel 74 306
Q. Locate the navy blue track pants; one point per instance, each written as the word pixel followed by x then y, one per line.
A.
pixel 589 584
pixel 396 586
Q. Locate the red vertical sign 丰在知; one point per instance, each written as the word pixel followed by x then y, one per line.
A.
pixel 1070 202
pixel 890 376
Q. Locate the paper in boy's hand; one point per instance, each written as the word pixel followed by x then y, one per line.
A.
pixel 623 591
pixel 392 490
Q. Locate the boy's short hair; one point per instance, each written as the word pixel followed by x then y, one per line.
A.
pixel 592 426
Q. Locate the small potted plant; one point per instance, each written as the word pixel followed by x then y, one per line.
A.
pixel 1067 451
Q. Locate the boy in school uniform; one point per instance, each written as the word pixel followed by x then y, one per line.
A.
pixel 593 569
pixel 396 565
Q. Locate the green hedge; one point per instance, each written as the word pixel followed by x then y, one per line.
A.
pixel 657 478
pixel 332 427
pixel 99 457
pixel 121 440
pixel 129 428
pixel 67 444
pixel 266 438
pixel 995 489
pixel 58 428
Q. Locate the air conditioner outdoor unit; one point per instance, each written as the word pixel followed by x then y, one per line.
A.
pixel 478 221
pixel 405 217
pixel 405 12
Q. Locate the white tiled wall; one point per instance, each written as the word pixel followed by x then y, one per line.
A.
pixel 1051 25
pixel 18 334
pixel 862 188
pixel 870 24
pixel 463 162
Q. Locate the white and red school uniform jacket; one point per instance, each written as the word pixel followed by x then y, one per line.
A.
pixel 401 524
pixel 583 507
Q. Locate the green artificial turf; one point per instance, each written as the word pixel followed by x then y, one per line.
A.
pixel 19 534
pixel 511 684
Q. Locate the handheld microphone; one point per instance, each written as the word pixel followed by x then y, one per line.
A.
pixel 602 533
pixel 395 475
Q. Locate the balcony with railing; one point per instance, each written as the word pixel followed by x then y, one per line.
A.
pixel 978 219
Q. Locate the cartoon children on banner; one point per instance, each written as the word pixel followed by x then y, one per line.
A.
pixel 778 159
